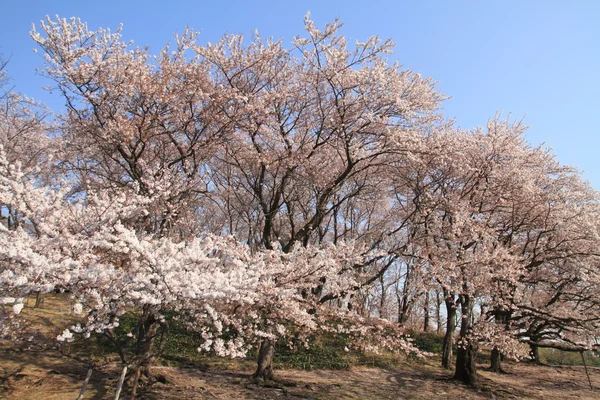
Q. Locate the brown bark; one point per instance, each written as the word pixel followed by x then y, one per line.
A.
pixel 426 313
pixel 136 380
pixel 382 299
pixel 466 370
pixel 502 317
pixel 587 373
pixel 403 310
pixel 404 299
pixel 438 314
pixel 448 343
pixel 264 370
pixel 496 361
pixel 39 300
pixel 146 334
pixel 148 328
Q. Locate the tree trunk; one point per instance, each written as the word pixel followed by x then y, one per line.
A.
pixel 426 313
pixel 534 352
pixel 136 380
pixel 404 300
pixel 145 343
pixel 496 361
pixel 438 314
pixel 264 371
pixel 147 331
pixel 39 300
pixel 502 317
pixel 382 299
pixel 450 329
pixel 466 370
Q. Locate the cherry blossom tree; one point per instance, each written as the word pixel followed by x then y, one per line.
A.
pixel 137 132
pixel 225 138
pixel 489 202
pixel 313 127
pixel 557 239
pixel 26 152
pixel 261 193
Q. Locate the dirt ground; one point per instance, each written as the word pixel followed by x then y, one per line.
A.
pixel 41 376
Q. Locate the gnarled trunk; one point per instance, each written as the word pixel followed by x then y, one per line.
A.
pixel 466 370
pixel 148 328
pixel 264 371
pixel 146 334
pixel 450 328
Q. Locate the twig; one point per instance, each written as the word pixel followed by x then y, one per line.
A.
pixel 586 371
pixel 120 384
pixel 85 383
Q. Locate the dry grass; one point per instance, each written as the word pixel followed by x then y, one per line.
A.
pixel 36 376
pixel 523 381
pixel 30 373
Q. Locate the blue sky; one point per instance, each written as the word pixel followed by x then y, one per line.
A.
pixel 538 60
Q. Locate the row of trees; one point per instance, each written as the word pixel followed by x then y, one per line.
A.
pixel 265 193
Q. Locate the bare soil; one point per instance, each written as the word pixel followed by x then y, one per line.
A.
pixel 45 375
pixel 42 375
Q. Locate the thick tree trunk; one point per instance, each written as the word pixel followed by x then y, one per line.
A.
pixel 146 335
pixel 466 370
pixel 496 361
pixel 450 329
pixel 502 317
pixel 264 371
pixel 147 330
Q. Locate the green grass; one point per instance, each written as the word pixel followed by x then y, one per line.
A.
pixel 331 352
pixel 559 357
pixel 324 352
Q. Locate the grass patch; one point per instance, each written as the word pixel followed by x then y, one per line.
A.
pixel 559 357
pixel 325 351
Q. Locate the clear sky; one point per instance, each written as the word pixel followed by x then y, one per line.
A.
pixel 538 60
